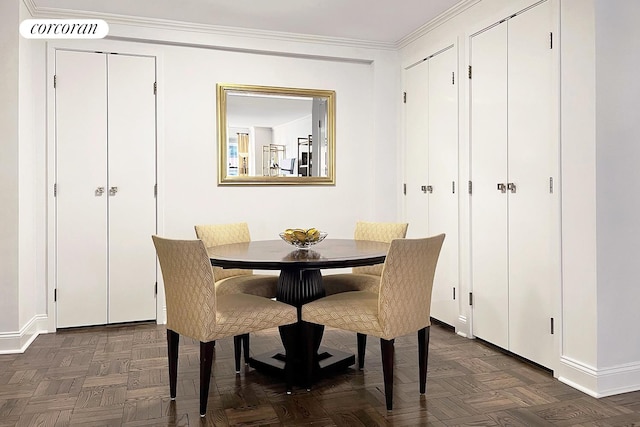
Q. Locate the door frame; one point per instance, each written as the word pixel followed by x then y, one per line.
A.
pixel 92 46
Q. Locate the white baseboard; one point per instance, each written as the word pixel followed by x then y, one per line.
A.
pixel 17 342
pixel 600 382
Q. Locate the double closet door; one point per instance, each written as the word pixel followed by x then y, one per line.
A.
pixel 431 197
pixel 513 148
pixel 105 117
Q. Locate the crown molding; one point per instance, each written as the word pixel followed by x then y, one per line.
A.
pixel 436 22
pixel 166 24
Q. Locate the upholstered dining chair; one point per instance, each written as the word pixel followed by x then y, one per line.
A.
pixel 401 306
pixel 196 310
pixel 365 278
pixel 235 280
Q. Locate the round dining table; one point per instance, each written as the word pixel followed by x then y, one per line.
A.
pixel 300 282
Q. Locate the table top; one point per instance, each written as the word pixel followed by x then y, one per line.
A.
pixel 279 255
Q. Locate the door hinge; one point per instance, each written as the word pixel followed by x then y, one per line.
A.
pixel 551 184
pixel 469 71
pixel 550 40
pixel 155 88
pixel 55 295
pixel 55 190
pixel 552 328
pixel 470 187
pixel 453 77
pixel 55 81
pixel 404 97
pixel 470 298
pixel 155 190
pixel 454 293
pixel 404 189
pixel 155 289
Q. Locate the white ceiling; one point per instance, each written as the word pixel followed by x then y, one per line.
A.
pixel 382 21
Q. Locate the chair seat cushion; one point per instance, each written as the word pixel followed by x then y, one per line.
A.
pixel 238 314
pixel 262 285
pixel 345 282
pixel 355 311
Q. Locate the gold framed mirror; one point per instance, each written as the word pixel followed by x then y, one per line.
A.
pixel 275 135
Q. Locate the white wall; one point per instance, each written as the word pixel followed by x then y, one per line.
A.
pixel 578 141
pixel 618 170
pixel 188 70
pixel 9 169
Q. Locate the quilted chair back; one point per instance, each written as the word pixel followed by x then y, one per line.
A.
pixel 404 300
pixel 188 287
pixel 224 234
pixel 378 232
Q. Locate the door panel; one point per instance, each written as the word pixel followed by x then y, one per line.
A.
pixel 132 210
pixel 443 173
pixel 530 208
pixel 81 167
pixel 488 130
pixel 417 128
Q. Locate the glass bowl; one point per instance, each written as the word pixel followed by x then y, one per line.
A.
pixel 303 242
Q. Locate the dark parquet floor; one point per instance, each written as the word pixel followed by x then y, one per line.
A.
pixel 118 375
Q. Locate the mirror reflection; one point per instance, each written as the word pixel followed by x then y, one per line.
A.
pixel 275 135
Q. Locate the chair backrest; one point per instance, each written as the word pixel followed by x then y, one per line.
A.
pixel 378 232
pixel 224 234
pixel 404 299
pixel 189 287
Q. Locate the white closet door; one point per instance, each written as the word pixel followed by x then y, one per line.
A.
pixel 81 168
pixel 132 209
pixel 443 175
pixel 488 131
pixel 530 208
pixel 417 149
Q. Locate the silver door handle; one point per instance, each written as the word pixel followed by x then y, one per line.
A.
pixel 423 188
pixel 512 187
pixel 502 187
pixel 99 191
pixel 113 191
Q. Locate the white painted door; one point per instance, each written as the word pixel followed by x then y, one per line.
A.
pixel 81 173
pixel 443 176
pixel 132 176
pixel 531 143
pixel 513 143
pixel 417 150
pixel 105 204
pixel 488 131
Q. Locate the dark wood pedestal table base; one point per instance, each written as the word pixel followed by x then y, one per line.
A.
pixel 300 282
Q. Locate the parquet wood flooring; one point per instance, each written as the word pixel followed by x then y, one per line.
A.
pixel 118 376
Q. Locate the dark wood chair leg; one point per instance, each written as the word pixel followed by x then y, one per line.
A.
pixel 172 352
pixel 423 356
pixel 388 349
pixel 362 346
pixel 206 360
pixel 245 348
pixel 237 349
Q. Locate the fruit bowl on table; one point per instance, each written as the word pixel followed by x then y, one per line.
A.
pixel 301 238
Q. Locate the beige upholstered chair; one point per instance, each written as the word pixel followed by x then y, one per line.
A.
pixel 195 310
pixel 401 306
pixel 365 278
pixel 234 280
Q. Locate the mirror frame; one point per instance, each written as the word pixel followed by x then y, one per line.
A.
pixel 222 90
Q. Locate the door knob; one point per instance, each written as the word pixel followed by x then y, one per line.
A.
pixel 502 187
pixel 113 191
pixel 99 191
pixel 512 187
